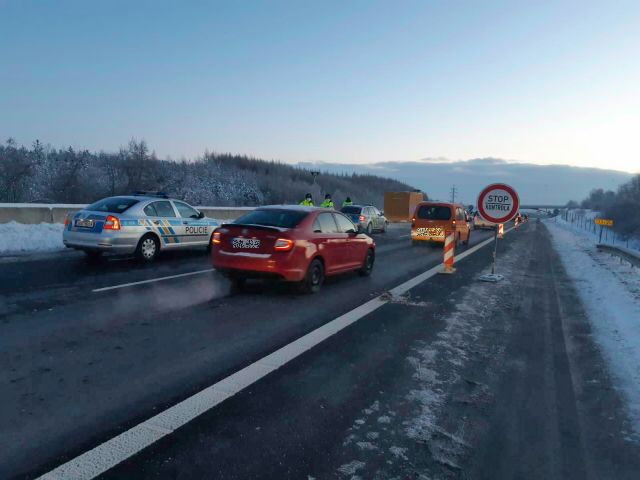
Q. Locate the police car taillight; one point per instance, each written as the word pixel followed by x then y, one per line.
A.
pixel 216 238
pixel 283 244
pixel 362 218
pixel 111 223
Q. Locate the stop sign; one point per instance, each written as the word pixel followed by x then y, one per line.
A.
pixel 498 203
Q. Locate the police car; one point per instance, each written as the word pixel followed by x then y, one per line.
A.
pixel 142 224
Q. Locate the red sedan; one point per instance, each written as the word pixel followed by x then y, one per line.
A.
pixel 291 243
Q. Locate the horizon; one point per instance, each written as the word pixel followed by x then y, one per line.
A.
pixel 357 83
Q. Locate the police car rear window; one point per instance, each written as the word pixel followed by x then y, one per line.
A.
pixel 351 210
pixel 273 218
pixel 112 205
pixel 434 212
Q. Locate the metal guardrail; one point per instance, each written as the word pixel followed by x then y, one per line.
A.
pixel 31 213
pixel 629 255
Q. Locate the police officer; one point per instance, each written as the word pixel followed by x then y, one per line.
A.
pixel 308 200
pixel 347 202
pixel 327 203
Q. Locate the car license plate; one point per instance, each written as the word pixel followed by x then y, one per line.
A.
pixel 245 243
pixel 429 232
pixel 84 223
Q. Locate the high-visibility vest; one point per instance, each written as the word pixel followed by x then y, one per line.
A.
pixel 307 203
pixel 347 204
pixel 327 204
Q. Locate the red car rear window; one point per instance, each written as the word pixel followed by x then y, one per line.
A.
pixel 275 217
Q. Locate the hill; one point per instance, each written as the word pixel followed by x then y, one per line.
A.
pixel 45 174
pixel 536 184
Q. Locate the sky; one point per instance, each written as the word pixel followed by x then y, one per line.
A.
pixel 349 82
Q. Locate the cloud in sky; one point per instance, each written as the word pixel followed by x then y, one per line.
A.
pixel 536 184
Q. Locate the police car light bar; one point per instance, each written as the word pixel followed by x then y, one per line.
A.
pixel 144 193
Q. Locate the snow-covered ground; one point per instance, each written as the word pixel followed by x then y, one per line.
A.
pixel 610 291
pixel 582 223
pixel 21 238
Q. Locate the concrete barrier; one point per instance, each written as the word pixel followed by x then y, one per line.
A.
pixel 33 213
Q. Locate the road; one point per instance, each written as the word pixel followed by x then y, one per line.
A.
pixel 456 379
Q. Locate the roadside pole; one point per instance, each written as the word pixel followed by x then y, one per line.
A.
pixel 495 251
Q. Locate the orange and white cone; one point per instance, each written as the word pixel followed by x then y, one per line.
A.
pixel 501 230
pixel 449 252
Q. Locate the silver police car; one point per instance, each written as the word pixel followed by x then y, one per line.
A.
pixel 143 224
pixel 367 217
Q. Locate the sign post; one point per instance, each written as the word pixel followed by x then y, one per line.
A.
pixel 497 203
pixel 603 222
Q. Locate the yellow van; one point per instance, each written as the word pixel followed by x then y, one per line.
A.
pixel 431 220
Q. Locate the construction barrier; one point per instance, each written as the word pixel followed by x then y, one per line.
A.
pixel 449 252
pixel 501 230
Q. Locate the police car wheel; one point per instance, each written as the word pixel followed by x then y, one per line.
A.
pixel 384 227
pixel 367 265
pixel 148 248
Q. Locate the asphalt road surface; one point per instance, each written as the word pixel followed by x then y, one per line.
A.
pixel 457 379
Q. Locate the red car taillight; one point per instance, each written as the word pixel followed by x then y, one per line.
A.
pixel 362 218
pixel 216 238
pixel 283 244
pixel 111 223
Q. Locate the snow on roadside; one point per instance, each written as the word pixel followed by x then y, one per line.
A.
pixel 610 292
pixel 20 238
pixel 391 434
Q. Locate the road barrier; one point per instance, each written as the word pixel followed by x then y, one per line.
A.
pixel 449 252
pixel 33 213
pixel 627 254
pixel 501 230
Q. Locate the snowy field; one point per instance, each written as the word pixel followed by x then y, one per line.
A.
pixel 21 238
pixel 610 291
pixel 583 225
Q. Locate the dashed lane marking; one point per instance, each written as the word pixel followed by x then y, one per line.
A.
pixel 151 280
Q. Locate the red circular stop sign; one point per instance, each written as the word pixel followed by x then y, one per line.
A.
pixel 498 203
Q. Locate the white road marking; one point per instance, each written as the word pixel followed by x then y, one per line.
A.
pixel 98 460
pixel 151 280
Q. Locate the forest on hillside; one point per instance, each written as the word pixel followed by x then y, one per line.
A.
pixel 621 206
pixel 45 174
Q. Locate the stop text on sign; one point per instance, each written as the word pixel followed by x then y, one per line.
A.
pixel 498 203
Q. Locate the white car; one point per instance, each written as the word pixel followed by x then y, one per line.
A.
pixel 480 223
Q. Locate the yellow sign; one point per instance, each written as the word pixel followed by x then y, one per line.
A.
pixel 604 221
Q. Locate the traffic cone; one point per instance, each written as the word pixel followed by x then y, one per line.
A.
pixel 500 230
pixel 449 252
